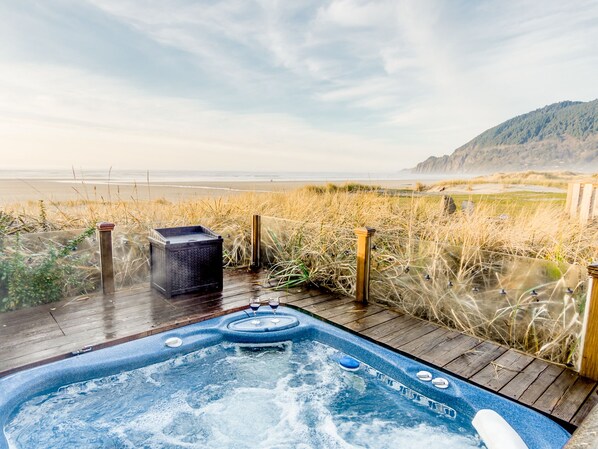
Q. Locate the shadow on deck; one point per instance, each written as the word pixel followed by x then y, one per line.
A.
pixel 38 335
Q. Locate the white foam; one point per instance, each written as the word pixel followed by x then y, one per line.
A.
pixel 389 435
pixel 264 400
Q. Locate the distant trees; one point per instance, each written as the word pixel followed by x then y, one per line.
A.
pixel 562 135
pixel 568 118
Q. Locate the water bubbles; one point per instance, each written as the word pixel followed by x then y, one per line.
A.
pixel 225 398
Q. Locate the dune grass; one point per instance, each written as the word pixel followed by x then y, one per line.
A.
pixel 558 179
pixel 446 268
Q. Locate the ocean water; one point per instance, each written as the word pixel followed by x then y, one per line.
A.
pixel 225 397
pixel 142 176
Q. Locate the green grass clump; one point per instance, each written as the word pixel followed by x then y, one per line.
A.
pixel 343 188
pixel 32 278
pixel 558 179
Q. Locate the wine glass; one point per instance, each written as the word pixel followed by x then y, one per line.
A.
pixel 274 303
pixel 255 304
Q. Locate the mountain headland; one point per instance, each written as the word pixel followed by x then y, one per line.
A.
pixel 561 136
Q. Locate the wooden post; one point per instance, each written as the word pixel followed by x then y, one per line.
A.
pixel 586 203
pixel 256 238
pixel 589 332
pixel 575 197
pixel 569 197
pixel 364 250
pixel 106 262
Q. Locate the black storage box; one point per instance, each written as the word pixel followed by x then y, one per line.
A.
pixel 185 259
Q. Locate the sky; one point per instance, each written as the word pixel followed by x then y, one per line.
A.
pixel 339 85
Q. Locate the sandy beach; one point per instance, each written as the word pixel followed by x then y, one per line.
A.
pixel 22 190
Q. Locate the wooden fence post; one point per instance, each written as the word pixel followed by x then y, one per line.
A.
pixel 364 250
pixel 575 198
pixel 585 211
pixel 569 198
pixel 256 238
pixel 106 262
pixel 589 333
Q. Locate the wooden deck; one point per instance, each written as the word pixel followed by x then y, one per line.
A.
pixel 33 336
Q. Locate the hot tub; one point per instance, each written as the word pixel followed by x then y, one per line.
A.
pixel 233 383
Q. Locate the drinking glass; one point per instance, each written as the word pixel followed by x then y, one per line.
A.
pixel 255 304
pixel 274 303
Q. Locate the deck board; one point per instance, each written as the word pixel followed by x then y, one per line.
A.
pixel 50 332
pixel 322 302
pixel 573 398
pixel 475 359
pixel 424 343
pixel 370 321
pixel 449 349
pixel 518 385
pixel 406 323
pixel 586 407
pixel 545 379
pixel 553 394
pixel 410 334
pixel 336 307
pixel 502 370
pixel 351 312
pixel 386 328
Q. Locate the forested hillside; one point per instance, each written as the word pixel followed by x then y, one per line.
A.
pixel 559 136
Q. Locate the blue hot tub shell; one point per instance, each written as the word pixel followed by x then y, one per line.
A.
pixel 536 430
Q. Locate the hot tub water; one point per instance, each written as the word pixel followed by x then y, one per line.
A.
pixel 226 396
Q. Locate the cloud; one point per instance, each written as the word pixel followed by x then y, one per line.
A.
pixel 112 124
pixel 356 13
pixel 289 84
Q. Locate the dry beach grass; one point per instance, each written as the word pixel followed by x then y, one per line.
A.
pixel 446 268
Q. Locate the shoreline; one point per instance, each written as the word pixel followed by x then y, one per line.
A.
pixel 19 190
pixel 14 191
